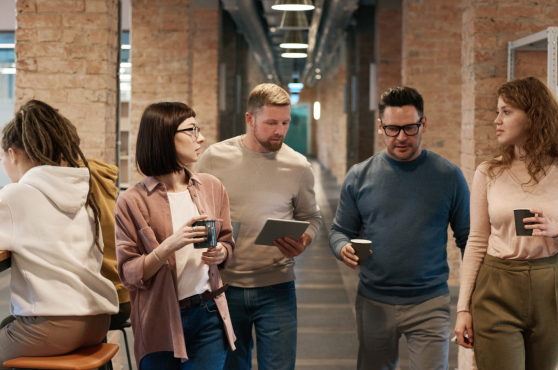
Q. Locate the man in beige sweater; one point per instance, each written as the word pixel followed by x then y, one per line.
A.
pixel 264 179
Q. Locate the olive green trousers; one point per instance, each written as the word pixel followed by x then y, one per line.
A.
pixel 515 314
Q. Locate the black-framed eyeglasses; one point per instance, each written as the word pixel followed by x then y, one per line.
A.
pixel 409 130
pixel 195 129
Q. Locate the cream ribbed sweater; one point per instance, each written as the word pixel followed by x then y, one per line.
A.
pixel 493 226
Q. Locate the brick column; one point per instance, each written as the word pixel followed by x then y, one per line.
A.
pixel 432 65
pixel 332 128
pixel 388 52
pixel 66 56
pixel 205 79
pixel 487 29
pixel 175 57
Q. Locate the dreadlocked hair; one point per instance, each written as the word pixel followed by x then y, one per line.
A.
pixel 47 138
pixel 541 132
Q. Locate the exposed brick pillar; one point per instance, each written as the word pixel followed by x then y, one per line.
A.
pixel 175 57
pixel 332 127
pixel 487 29
pixel 66 53
pixel 432 64
pixel 160 54
pixel 388 52
pixel 205 79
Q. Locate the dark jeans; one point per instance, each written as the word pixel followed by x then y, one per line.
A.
pixel 206 343
pixel 272 311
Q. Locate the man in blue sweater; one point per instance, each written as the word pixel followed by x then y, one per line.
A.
pixel 402 199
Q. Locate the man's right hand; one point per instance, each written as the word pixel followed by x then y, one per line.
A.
pixel 349 257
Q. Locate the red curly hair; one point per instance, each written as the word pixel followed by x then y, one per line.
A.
pixel 537 101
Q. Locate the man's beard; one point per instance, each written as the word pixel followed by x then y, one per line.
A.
pixel 272 147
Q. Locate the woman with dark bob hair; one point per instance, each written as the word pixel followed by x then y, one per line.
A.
pixel 508 301
pixel 49 220
pixel 179 312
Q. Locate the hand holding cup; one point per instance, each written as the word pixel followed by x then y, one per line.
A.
pixel 539 224
pixel 356 253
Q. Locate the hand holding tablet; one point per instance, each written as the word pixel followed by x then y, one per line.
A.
pixel 276 229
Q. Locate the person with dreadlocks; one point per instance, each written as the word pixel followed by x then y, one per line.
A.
pixel 49 220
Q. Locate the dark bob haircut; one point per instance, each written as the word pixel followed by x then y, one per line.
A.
pixel 155 150
pixel 399 97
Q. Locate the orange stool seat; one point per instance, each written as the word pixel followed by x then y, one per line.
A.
pixel 80 359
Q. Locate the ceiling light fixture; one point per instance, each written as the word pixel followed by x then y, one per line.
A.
pixel 294 53
pixel 294 40
pixel 294 21
pixel 293 5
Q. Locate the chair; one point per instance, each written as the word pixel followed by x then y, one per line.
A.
pixel 81 359
pixel 122 327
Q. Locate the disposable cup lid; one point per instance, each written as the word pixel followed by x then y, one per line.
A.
pixel 362 241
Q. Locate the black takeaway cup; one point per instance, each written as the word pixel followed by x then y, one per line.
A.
pixel 519 215
pixel 211 237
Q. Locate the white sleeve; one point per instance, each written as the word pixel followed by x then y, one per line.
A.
pixel 6 226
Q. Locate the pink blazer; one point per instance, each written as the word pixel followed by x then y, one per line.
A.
pixel 143 221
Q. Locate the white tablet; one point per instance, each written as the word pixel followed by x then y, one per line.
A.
pixel 275 229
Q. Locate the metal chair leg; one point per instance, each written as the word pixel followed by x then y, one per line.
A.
pixel 127 349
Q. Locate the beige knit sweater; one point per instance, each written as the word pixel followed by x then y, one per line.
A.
pixel 261 186
pixel 493 226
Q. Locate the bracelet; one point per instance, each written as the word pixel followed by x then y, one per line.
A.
pixel 155 254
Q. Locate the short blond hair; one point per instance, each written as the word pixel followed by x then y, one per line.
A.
pixel 267 94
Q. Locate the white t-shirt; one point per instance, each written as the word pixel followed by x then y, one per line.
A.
pixel 193 274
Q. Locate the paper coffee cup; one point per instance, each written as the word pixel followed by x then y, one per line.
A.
pixel 519 215
pixel 362 248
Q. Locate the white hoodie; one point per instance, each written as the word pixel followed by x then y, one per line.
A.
pixel 55 262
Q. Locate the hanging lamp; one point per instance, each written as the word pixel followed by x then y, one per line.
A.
pixel 294 21
pixel 293 5
pixel 294 53
pixel 294 40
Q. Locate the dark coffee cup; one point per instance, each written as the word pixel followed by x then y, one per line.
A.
pixel 519 215
pixel 362 250
pixel 211 237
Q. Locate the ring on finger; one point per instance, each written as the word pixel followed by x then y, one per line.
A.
pixel 192 229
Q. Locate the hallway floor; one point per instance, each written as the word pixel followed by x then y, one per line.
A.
pixel 326 292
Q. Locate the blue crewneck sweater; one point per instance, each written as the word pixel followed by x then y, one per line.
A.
pixel 404 208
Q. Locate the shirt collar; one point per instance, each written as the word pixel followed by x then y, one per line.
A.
pixel 151 182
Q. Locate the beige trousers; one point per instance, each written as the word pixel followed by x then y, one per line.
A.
pixel 515 314
pixel 50 335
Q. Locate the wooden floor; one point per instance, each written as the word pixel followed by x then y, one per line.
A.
pixel 326 292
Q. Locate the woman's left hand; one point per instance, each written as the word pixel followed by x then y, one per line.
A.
pixel 215 255
pixel 542 225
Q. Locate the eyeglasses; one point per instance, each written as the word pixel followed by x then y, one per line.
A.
pixel 409 130
pixel 195 129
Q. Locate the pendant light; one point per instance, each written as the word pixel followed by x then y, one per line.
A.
pixel 294 53
pixel 293 5
pixel 294 21
pixel 294 40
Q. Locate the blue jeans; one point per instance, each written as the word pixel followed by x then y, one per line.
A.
pixel 272 311
pixel 206 343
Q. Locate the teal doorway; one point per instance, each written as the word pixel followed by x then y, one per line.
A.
pixel 298 134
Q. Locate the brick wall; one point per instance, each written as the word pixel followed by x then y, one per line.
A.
pixel 66 56
pixel 331 130
pixel 175 57
pixel 388 52
pixel 487 28
pixel 432 64
pixel 205 78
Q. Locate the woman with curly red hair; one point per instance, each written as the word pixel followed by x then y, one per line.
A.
pixel 508 301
